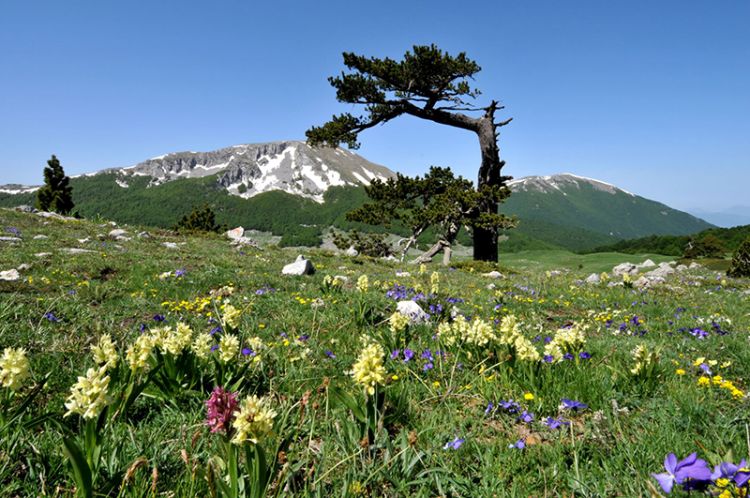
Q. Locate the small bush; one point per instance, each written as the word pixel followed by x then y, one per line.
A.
pixel 369 244
pixel 740 266
pixel 200 219
pixel 305 236
pixel 707 247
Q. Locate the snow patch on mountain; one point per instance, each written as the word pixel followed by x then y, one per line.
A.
pixel 560 182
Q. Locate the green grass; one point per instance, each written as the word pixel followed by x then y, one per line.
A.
pixel 330 446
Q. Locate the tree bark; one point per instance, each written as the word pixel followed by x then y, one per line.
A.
pixel 485 241
pixel 427 256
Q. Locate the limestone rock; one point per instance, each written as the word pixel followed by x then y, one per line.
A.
pixel 647 264
pixel 12 240
pixel 170 245
pixel 352 252
pixel 9 275
pixel 625 269
pixel 235 233
pixel 40 237
pixel 301 266
pixel 75 250
pixel 413 311
pixel 493 274
pixel 594 278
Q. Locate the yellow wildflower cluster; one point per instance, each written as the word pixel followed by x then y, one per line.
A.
pixel 477 332
pixel 368 370
pixel 566 340
pixel 398 322
pixel 201 345
pixel 229 346
pixel 510 334
pixel 139 352
pixel 363 283
pixel 14 368
pixel 104 352
pixel 333 282
pixel 722 383
pixel 254 420
pixel 230 316
pixel 435 282
pixel 199 305
pixel 88 396
pixel 643 359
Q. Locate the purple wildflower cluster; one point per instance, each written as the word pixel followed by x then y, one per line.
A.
pixel 633 326
pixel 221 406
pixel 693 473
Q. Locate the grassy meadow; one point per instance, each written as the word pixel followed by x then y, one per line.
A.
pixel 201 370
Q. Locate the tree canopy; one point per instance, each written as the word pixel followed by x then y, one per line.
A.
pixel 429 84
pixel 56 194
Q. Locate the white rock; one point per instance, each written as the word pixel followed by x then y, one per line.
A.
pixel 83 241
pixel 343 278
pixel 413 311
pixel 625 269
pixel 244 241
pixel 555 273
pixel 681 268
pixel 9 239
pixel 40 237
pixel 170 245
pixel 594 278
pixel 403 274
pixel 351 252
pixel 642 283
pixel 647 264
pixel 660 272
pixel 695 266
pixel 9 275
pixel 491 287
pixel 144 235
pixel 493 274
pixel 117 232
pixel 75 250
pixel 43 254
pixel 301 266
pixel 235 233
pixel 23 267
pixel 390 257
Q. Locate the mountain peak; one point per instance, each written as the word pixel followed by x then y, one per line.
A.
pixel 561 182
pixel 247 170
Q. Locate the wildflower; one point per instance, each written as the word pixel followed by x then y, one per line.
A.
pixel 584 355
pixel 178 339
pixel 643 359
pixel 104 352
pixel 14 368
pixel 331 355
pixel 683 472
pixel 51 317
pixel 528 396
pixel 253 421
pixel 368 370
pixel 555 423
pixel 231 316
pixel 434 282
pixel 680 371
pixel 88 396
pixel 139 352
pixel 229 346
pixel 455 444
pixel 220 408
pixel 422 269
pixel 704 382
pixel 571 404
pixel 201 345
pixel 739 474
pixel 526 417
pixel 489 409
pixel 397 322
pixel 520 444
pixel 408 355
pixel 363 283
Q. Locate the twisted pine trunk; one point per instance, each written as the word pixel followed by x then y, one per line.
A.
pixel 485 241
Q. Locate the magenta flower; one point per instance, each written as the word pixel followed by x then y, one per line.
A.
pixel 220 409
pixel 688 472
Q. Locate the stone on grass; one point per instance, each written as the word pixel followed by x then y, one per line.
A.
pixel 40 237
pixel 43 254
pixel 352 252
pixel 695 266
pixel 594 278
pixel 647 264
pixel 170 245
pixel 9 275
pixel 75 250
pixel 412 311
pixel 625 269
pixel 143 235
pixel 12 240
pixel 244 241
pixel 493 274
pixel 301 266
pixel 235 233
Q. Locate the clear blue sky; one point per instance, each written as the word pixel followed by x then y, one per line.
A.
pixel 653 96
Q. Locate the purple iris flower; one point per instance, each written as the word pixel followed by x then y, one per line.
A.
pixel 490 407
pixel 248 352
pixel 142 327
pixel 526 417
pixel 509 406
pixel 180 272
pixel 548 358
pixel 214 347
pixel 51 317
pixel 571 404
pixel 705 368
pixel 159 318
pixel 520 444
pixel 455 444
pixel 330 355
pixel 584 355
pixel 408 355
pixel 215 330
pixel 428 366
pixel 395 353
pixel 568 356
pixel 555 423
pixel 303 338
pixel 683 472
pixel 427 355
pixel 740 474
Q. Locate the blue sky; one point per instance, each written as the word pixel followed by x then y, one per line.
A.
pixel 651 96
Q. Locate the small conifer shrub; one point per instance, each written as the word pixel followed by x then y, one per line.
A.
pixel 56 194
pixel 740 266
pixel 200 219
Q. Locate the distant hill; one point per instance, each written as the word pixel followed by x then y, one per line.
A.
pixel 297 191
pixel 581 213
pixel 672 245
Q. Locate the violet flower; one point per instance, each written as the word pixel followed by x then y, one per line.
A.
pixel 685 472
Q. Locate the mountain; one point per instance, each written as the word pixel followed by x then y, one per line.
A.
pixel 248 170
pixel 729 217
pixel 580 213
pixel 297 191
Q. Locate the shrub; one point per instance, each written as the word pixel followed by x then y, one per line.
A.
pixel 368 244
pixel 200 219
pixel 740 266
pixel 707 247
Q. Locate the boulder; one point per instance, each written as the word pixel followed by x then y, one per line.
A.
pixel 235 233
pixel 75 250
pixel 352 252
pixel 695 266
pixel 170 245
pixel 681 268
pixel 9 275
pixel 594 278
pixel 412 311
pixel 43 254
pixel 143 235
pixel 40 237
pixel 493 274
pixel 301 266
pixel 647 264
pixel 244 241
pixel 12 240
pixel 625 269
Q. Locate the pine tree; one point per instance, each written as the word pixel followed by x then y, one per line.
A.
pixel 200 219
pixel 428 84
pixel 740 266
pixel 56 194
